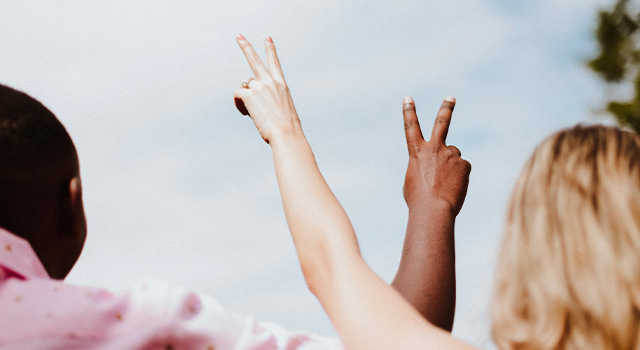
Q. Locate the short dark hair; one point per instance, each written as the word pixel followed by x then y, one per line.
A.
pixel 32 139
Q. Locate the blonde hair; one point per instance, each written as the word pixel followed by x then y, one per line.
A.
pixel 568 275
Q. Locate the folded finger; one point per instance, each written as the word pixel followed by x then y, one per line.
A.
pixel 411 125
pixel 238 100
pixel 272 60
pixel 258 68
pixel 455 150
pixel 443 120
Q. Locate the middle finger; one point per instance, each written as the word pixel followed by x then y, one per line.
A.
pixel 443 119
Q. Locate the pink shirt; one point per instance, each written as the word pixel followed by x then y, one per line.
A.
pixel 37 312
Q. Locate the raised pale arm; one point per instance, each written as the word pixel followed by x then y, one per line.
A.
pixel 367 313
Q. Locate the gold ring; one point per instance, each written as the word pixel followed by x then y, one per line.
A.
pixel 245 83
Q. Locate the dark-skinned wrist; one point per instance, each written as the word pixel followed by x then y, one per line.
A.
pixel 429 217
pixel 431 205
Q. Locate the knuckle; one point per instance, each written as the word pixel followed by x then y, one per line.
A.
pixel 467 165
pixel 281 86
pixel 414 150
pixel 410 123
pixel 409 107
pixel 258 86
pixel 448 105
pixel 442 120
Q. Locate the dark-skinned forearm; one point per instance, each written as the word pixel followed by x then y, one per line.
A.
pixel 426 275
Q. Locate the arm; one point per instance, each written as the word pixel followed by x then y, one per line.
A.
pixel 368 313
pixel 434 195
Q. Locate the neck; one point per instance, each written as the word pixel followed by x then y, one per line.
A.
pixel 36 211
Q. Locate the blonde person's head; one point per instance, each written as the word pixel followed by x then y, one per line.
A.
pixel 568 275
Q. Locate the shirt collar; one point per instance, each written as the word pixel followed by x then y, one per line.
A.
pixel 17 258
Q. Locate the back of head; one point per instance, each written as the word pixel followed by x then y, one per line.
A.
pixel 37 162
pixel 31 138
pixel 568 275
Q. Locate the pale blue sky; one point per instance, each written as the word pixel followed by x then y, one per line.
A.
pixel 180 187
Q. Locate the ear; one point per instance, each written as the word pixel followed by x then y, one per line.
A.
pixel 78 220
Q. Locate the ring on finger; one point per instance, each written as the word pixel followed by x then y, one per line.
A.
pixel 245 83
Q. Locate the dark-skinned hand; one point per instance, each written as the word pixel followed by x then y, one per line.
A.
pixel 436 172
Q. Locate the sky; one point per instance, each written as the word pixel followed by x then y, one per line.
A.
pixel 178 186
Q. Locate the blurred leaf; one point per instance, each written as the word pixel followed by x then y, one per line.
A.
pixel 610 64
pixel 627 114
pixel 619 59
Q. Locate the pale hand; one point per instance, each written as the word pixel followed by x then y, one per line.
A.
pixel 267 100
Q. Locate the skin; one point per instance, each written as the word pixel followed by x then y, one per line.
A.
pixel 434 189
pixel 426 274
pixel 358 302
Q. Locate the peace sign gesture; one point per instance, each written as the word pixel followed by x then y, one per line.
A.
pixel 266 97
pixel 436 172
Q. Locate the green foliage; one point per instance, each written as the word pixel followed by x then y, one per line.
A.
pixel 619 59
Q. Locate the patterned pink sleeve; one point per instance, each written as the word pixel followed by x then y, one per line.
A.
pixel 37 312
pixel 45 314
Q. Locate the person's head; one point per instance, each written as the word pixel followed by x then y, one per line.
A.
pixel 40 190
pixel 568 274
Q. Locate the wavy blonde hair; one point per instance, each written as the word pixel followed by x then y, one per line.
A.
pixel 568 275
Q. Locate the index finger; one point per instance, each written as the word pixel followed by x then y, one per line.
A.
pixel 258 68
pixel 411 125
pixel 443 120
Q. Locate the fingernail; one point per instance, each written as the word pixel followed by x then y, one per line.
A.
pixel 407 100
pixel 450 99
pixel 240 37
pixel 269 39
